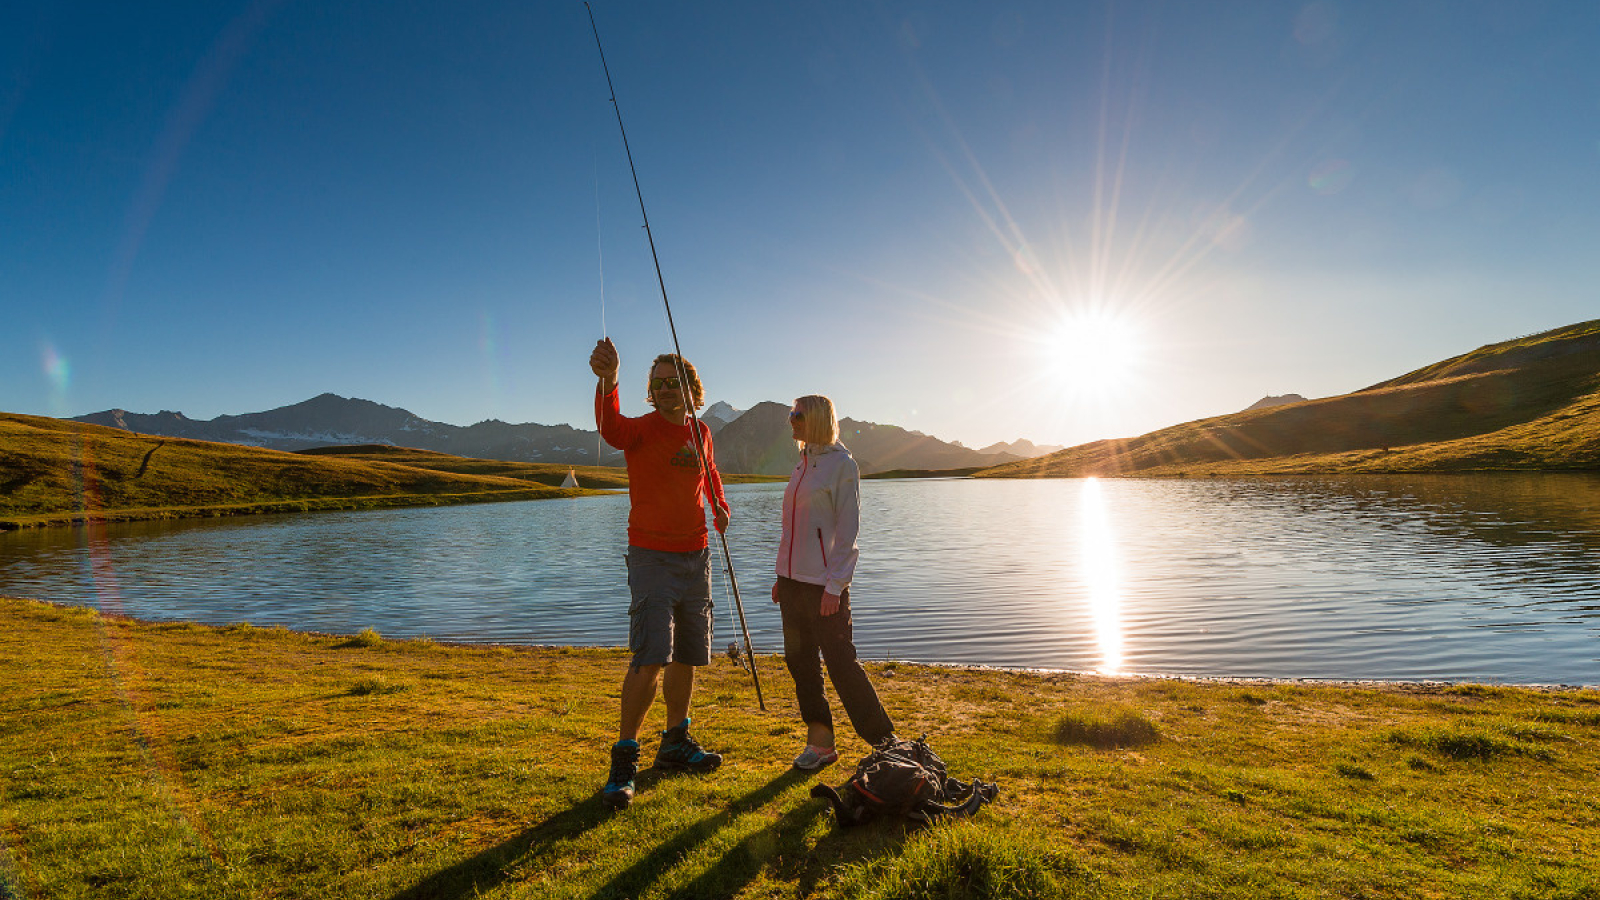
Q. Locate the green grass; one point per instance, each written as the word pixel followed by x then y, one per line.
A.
pixel 1527 404
pixel 1106 730
pixel 175 760
pixel 969 861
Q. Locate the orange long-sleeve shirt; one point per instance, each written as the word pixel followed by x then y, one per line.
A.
pixel 666 489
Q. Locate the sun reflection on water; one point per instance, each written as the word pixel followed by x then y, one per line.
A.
pixel 1102 577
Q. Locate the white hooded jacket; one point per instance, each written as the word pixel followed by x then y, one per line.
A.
pixel 821 518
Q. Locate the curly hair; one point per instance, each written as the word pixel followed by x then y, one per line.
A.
pixel 697 392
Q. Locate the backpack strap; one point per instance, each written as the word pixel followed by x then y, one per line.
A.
pixel 981 793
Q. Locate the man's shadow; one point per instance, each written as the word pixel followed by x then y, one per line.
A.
pixel 492 867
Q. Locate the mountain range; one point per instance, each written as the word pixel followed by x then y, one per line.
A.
pixel 759 441
pixel 330 420
pixel 754 441
pixel 1022 448
pixel 1530 403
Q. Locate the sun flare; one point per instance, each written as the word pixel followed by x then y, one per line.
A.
pixel 1091 353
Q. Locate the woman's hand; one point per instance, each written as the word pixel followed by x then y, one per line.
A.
pixel 830 603
pixel 774 592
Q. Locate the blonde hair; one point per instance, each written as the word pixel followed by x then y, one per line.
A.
pixel 696 394
pixel 818 424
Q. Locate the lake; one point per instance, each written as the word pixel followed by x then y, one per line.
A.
pixel 1487 578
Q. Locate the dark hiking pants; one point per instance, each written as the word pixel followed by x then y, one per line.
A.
pixel 810 640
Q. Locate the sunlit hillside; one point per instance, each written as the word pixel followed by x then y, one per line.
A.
pixel 552 474
pixel 54 471
pixel 1527 404
pixel 600 477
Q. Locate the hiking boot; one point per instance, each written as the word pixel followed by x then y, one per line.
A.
pixel 681 753
pixel 813 758
pixel 618 792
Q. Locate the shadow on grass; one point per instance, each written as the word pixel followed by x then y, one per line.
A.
pixel 781 849
pixel 489 869
pixel 736 868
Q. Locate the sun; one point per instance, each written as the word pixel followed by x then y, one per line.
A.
pixel 1091 353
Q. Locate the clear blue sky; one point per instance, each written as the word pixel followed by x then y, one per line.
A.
pixel 1060 221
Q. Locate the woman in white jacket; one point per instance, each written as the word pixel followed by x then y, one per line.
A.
pixel 816 560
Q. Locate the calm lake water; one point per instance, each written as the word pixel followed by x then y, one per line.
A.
pixel 1456 578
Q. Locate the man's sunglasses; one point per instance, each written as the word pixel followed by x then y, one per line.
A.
pixel 664 384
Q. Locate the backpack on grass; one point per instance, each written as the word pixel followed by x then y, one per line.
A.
pixel 904 779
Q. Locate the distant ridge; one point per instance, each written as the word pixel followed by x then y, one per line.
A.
pixel 328 420
pixel 1269 402
pixel 1023 448
pixel 760 442
pixel 1532 403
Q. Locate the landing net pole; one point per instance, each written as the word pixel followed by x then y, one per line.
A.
pixel 683 376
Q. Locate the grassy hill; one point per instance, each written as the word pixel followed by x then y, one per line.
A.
pixel 602 477
pixel 54 471
pixel 551 474
pixel 1528 404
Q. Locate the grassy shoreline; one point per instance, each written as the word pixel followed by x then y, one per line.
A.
pixel 309 504
pixel 171 759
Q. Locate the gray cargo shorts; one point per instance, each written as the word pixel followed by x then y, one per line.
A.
pixel 669 619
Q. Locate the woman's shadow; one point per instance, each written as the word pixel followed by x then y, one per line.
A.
pixel 782 848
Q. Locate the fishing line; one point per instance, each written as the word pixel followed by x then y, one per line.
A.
pixel 600 254
pixel 600 247
pixel 695 426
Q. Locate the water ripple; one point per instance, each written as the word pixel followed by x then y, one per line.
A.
pixel 1484 578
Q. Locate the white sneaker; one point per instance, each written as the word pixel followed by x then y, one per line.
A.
pixel 813 758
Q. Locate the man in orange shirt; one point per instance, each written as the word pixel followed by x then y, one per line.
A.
pixel 669 560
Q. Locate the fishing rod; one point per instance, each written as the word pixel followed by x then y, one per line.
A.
pixel 683 375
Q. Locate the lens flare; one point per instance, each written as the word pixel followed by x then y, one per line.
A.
pixel 1331 177
pixel 56 368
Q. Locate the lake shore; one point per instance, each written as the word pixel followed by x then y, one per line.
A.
pixel 172 759
pixel 80 517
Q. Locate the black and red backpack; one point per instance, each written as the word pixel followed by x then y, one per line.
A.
pixel 904 779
